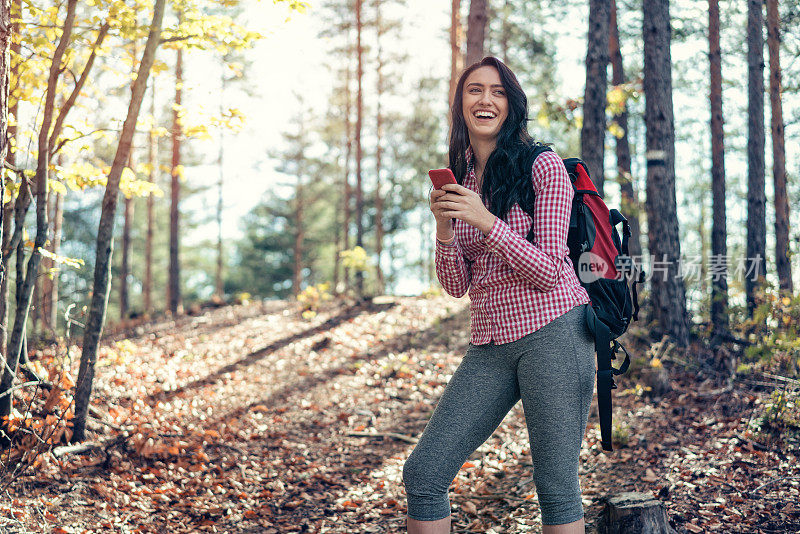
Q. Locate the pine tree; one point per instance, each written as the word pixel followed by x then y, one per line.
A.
pixel 782 264
pixel 756 196
pixel 719 247
pixel 668 293
pixel 593 129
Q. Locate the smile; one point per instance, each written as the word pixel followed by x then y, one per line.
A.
pixel 485 114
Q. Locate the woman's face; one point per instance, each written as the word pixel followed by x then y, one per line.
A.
pixel 484 104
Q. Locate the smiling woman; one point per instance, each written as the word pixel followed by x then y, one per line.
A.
pixel 529 339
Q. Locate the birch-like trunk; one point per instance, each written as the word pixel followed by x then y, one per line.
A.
pixel 42 165
pixel 105 233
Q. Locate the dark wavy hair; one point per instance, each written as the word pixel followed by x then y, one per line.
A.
pixel 507 174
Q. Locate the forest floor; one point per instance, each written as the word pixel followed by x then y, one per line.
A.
pixel 252 419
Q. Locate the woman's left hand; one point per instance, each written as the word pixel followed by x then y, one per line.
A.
pixel 465 205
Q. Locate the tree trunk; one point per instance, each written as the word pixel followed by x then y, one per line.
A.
pixel 378 155
pixel 152 162
pixel 218 287
pixel 299 233
pixel 593 130
pixel 174 284
pixel 630 202
pixel 124 274
pixel 456 56
pixel 719 230
pixel 105 244
pixel 20 279
pixel 756 197
pixel 782 264
pixel 8 211
pixel 634 513
pixel 359 115
pixel 476 30
pixel 347 191
pixel 8 137
pixel 42 166
pixel 668 292
pixel 58 219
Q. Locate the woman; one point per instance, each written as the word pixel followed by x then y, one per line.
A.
pixel 528 335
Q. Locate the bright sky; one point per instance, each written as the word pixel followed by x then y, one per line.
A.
pixel 290 59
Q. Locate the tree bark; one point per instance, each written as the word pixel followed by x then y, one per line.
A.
pixel 782 264
pixel 456 56
pixel 299 232
pixel 593 130
pixel 105 244
pixel 58 219
pixel 42 165
pixel 719 230
pixel 756 197
pixel 630 202
pixel 124 274
pixel 378 154
pixel 174 284
pixel 359 115
pixel 634 513
pixel 476 30
pixel 347 191
pixel 152 146
pixel 218 286
pixel 8 136
pixel 667 290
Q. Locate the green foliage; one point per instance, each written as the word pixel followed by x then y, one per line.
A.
pixel 620 434
pixel 773 330
pixel 778 417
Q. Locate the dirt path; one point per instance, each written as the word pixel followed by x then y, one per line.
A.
pixel 248 419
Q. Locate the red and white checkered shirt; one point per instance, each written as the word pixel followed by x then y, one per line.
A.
pixel 515 286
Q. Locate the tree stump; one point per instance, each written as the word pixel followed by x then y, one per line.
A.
pixel 634 513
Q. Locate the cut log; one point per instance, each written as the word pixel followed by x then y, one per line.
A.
pixel 634 513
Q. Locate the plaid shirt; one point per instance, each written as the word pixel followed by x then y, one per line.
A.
pixel 515 286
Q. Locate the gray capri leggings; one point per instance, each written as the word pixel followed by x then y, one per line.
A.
pixel 553 371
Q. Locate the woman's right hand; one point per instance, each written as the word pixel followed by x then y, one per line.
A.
pixel 444 224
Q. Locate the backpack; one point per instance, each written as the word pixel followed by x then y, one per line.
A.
pixel 605 269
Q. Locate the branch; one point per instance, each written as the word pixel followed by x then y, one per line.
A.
pixel 62 115
pixel 18 386
pixel 176 39
pixel 84 447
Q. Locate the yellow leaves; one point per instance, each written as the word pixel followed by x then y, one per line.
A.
pixel 56 258
pixel 655 362
pixel 131 187
pixel 617 97
pixel 82 174
pixel 199 131
pixel 177 171
pixel 56 186
pixel 355 258
pixel 542 118
pixel 616 130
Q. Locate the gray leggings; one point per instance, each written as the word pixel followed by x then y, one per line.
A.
pixel 553 371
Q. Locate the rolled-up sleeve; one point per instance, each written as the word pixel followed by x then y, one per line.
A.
pixel 540 263
pixel 452 269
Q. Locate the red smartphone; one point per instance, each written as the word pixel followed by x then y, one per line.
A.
pixel 439 177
